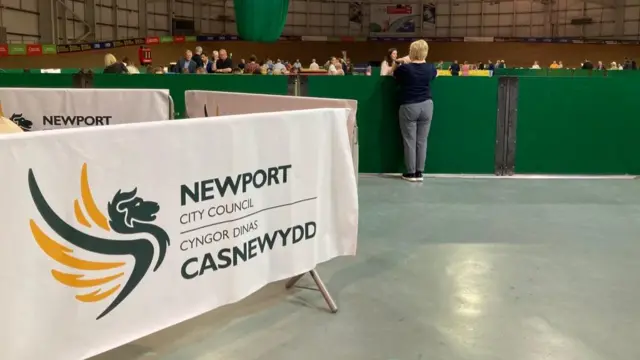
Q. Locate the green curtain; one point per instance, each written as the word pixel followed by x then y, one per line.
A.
pixel 261 20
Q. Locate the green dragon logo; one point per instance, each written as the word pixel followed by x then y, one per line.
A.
pixel 128 215
pixel 22 123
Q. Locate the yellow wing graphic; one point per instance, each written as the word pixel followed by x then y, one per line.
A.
pixel 65 255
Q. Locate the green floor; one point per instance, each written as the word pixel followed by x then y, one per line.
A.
pixel 450 269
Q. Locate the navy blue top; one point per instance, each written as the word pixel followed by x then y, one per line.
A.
pixel 414 81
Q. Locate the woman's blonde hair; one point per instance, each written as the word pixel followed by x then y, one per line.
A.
pixel 418 50
pixel 109 60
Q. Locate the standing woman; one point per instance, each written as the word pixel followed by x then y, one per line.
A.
pixel 416 108
pixel 389 63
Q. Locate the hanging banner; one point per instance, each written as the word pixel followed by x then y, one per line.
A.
pixel 394 19
pixel 355 15
pixel 428 15
pixel 36 109
pixel 122 231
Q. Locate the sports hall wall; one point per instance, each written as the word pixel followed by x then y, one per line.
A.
pixel 515 54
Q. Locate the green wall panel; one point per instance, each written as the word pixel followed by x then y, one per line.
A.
pixel 462 137
pixel 179 83
pixel 36 80
pixel 578 126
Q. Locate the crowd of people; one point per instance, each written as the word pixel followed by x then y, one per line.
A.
pixel 627 64
pixel 221 62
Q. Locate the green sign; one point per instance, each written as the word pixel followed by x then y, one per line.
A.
pixel 48 49
pixel 190 39
pixel 17 49
pixel 166 39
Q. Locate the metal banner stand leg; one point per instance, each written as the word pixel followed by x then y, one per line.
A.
pixel 323 289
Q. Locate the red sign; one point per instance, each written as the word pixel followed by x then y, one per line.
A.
pixel 4 50
pixel 34 49
pixel 152 40
pixel 144 55
pixel 399 10
pixel 179 39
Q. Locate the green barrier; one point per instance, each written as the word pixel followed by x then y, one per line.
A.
pixel 36 80
pixel 179 83
pixel 520 72
pixel 560 72
pixel 549 72
pixel 463 131
pixel 584 126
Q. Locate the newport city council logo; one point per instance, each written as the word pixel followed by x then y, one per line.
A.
pixel 19 120
pixel 128 215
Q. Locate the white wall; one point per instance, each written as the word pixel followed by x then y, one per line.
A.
pixel 30 21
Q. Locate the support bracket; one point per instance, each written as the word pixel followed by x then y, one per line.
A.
pixel 320 287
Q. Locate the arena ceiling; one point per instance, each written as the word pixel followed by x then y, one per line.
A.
pixel 605 3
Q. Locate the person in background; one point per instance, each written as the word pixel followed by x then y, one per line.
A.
pixel 158 70
pixel 297 65
pixel 503 65
pixel 125 61
pixel 389 63
pixel 314 65
pixel 600 66
pixel 416 108
pixel 279 66
pixel 613 66
pixel 237 71
pixel 454 68
pixel 335 68
pixel 491 67
pixel 560 65
pixel 634 66
pixel 207 65
pixel 131 69
pixel 343 64
pixel 242 64
pixel 440 65
pixel 252 65
pixel 535 65
pixel 197 57
pixel 224 63
pixel 215 55
pixel 554 65
pixel 481 66
pixel 587 65
pixel 201 70
pixel 112 66
pixel 465 69
pixel 186 64
pixel 349 65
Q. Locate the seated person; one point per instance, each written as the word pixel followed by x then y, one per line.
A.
pixel 224 63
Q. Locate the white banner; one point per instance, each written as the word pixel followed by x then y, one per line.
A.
pixel 110 234
pixel 394 19
pixel 200 103
pixel 46 109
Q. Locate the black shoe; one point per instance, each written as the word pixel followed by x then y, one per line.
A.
pixel 419 176
pixel 409 177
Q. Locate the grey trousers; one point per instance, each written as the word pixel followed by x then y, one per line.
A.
pixel 415 122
